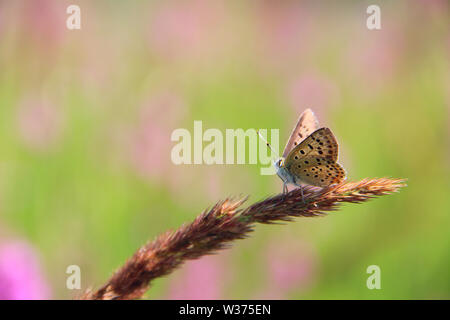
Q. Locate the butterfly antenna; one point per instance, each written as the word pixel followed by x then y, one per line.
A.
pixel 267 143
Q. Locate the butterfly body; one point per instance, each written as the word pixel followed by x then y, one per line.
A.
pixel 283 173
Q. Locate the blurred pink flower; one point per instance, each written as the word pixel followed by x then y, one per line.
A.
pixel 20 275
pixel 2 18
pixel 151 147
pixel 181 28
pixel 291 266
pixel 313 90
pixel 97 59
pixel 150 141
pixel 285 31
pixel 213 184
pixel 200 280
pixel 45 22
pixel 374 58
pixel 39 123
pixel 433 7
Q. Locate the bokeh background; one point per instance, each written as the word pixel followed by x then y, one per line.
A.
pixel 86 117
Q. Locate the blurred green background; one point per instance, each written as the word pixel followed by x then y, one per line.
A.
pixel 86 117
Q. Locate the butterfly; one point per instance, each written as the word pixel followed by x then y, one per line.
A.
pixel 310 156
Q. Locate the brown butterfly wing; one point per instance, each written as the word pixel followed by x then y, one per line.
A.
pixel 319 175
pixel 320 143
pixel 307 123
pixel 313 161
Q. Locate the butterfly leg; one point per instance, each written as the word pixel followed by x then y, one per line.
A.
pixel 301 190
pixel 285 189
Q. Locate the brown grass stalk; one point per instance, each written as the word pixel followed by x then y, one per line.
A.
pixel 216 228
